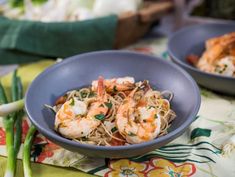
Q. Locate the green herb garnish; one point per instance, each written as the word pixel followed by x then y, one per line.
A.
pixel 155 116
pixel 109 105
pixel 83 94
pixel 100 116
pixel 72 102
pixel 114 129
pixel 115 88
pixel 131 134
pixel 92 94
pixel 151 107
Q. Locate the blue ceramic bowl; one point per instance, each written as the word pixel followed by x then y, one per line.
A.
pixel 80 70
pixel 191 40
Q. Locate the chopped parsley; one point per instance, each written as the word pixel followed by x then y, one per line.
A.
pixel 72 102
pixel 151 107
pixel 155 116
pixel 114 129
pixel 100 116
pixel 115 88
pixel 131 134
pixel 84 94
pixel 109 105
pixel 92 94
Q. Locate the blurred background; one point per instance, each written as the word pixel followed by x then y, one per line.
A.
pixel 31 30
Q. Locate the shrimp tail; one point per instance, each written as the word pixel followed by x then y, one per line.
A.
pixel 100 88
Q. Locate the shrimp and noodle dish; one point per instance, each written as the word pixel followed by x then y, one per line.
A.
pixel 114 112
pixel 219 56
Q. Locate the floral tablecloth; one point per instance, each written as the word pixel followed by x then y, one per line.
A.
pixel 205 149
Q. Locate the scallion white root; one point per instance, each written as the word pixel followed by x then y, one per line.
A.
pixel 6 109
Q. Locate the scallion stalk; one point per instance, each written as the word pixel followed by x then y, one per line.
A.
pixel 13 114
pixel 8 122
pixel 27 151
pixel 12 120
pixel 6 109
pixel 19 117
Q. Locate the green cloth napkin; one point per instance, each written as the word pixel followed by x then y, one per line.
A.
pixel 24 41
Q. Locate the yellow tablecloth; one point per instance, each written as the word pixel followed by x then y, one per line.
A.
pixel 202 151
pixel 41 170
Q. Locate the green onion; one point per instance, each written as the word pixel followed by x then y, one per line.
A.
pixel 3 97
pixel 6 109
pixel 19 117
pixel 13 141
pixel 100 116
pixel 14 89
pixel 26 151
pixel 8 122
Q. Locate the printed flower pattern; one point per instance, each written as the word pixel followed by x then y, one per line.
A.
pixel 44 149
pixel 2 136
pixel 155 167
pixel 126 168
pixel 25 128
pixel 165 168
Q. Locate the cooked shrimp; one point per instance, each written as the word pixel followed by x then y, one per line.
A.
pixel 216 49
pixel 116 84
pixel 136 120
pixel 77 119
pixel 226 66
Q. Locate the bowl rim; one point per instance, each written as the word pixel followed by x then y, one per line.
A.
pixel 58 138
pixel 187 65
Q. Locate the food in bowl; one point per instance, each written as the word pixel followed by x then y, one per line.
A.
pixel 219 56
pixel 68 10
pixel 114 112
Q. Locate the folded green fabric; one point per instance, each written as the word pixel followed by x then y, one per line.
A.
pixel 36 40
pixel 13 56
